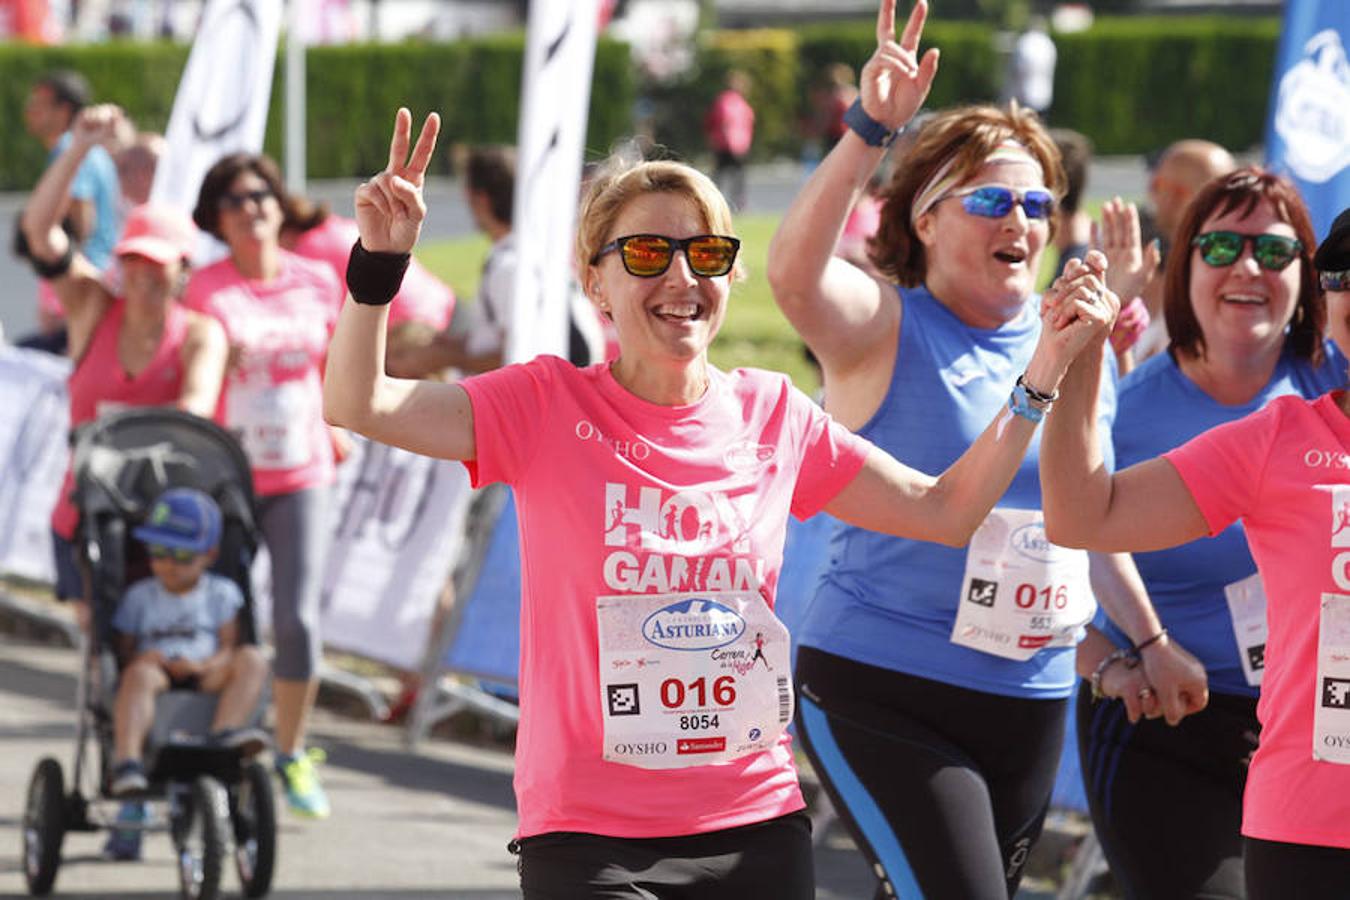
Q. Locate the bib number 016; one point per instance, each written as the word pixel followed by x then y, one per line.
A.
pixel 1049 597
pixel 674 692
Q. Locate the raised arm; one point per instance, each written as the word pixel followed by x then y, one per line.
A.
pixel 427 417
pixel 205 353
pixel 890 497
pixel 1144 507
pixel 77 284
pixel 840 310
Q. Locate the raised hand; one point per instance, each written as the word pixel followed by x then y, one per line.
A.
pixel 895 81
pixel 1079 308
pixel 97 124
pixel 389 207
pixel 1131 265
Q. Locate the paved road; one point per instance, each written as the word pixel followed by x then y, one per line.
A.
pixel 771 189
pixel 405 827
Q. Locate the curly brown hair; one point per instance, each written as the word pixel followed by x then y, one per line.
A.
pixel 968 135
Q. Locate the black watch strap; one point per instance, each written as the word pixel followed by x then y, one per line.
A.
pixel 869 129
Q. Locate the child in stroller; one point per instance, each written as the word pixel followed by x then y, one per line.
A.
pixel 218 801
pixel 179 628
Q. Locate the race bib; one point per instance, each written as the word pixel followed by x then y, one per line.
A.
pixel 1331 718
pixel 691 679
pixel 1247 609
pixel 1021 593
pixel 273 421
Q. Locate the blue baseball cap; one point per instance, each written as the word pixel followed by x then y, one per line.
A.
pixel 182 519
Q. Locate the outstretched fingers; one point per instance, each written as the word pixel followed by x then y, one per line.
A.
pixel 426 145
pixel 886 23
pixel 914 27
pixel 398 144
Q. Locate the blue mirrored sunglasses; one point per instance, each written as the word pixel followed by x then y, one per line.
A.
pixel 994 202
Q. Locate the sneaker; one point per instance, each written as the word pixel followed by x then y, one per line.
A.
pixel 128 777
pixel 247 741
pixel 124 844
pixel 303 791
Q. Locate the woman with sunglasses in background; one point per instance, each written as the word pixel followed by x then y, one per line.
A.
pixel 653 495
pixel 278 310
pixel 917 659
pixel 1245 318
pixel 1284 472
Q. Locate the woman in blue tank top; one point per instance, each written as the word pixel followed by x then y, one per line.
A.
pixel 934 681
pixel 1246 327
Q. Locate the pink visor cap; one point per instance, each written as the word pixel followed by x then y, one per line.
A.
pixel 158 233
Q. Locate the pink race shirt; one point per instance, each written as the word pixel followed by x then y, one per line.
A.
pixel 273 397
pixel 619 496
pixel 1285 471
pixel 99 385
pixel 422 298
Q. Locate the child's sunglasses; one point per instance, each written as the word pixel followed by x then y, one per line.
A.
pixel 177 554
pixel 994 202
pixel 1273 252
pixel 1335 281
pixel 649 255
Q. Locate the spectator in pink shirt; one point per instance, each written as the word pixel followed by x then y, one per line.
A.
pixel 653 494
pixel 729 127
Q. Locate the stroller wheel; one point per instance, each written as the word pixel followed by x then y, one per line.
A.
pixel 44 826
pixel 200 834
pixel 255 830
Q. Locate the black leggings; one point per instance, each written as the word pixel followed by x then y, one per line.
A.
pixel 944 789
pixel 1166 801
pixel 1277 871
pixel 767 859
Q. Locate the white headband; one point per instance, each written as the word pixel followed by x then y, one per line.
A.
pixel 937 187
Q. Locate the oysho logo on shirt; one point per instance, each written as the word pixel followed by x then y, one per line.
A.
pixel 1326 459
pixel 635 449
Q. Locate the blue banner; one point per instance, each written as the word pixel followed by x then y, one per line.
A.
pixel 1308 133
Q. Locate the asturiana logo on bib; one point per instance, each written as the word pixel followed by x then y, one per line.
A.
pixel 694 624
pixel 1031 542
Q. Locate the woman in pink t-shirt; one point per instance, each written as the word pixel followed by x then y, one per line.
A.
pixel 1285 472
pixel 133 347
pixel 653 494
pixel 278 310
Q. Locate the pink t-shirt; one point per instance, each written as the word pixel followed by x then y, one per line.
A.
pixel 98 384
pixel 730 124
pixel 1285 471
pixel 422 298
pixel 273 396
pixel 596 472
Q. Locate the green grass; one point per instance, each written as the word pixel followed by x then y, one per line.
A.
pixel 755 332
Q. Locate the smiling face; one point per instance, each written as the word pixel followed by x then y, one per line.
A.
pixel 984 269
pixel 673 317
pixel 249 213
pixel 1243 308
pixel 147 282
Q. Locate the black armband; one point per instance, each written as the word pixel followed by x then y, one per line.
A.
pixel 374 278
pixel 57 267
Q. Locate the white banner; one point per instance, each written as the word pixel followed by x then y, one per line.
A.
pixel 34 421
pixel 397 528
pixel 222 99
pixel 559 57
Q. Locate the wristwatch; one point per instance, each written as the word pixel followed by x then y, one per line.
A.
pixel 873 133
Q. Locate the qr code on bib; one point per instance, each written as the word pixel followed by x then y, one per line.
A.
pixel 623 699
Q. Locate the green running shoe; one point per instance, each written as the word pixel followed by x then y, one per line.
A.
pixel 304 794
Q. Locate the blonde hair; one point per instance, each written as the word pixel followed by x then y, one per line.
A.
pixel 620 182
pixel 967 136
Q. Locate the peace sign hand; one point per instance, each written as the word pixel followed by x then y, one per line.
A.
pixel 895 81
pixel 389 207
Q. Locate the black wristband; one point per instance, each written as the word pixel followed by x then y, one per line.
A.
pixel 374 278
pixel 873 133
pixel 57 267
pixel 1153 640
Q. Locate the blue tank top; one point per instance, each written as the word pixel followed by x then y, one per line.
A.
pixel 1160 409
pixel 891 602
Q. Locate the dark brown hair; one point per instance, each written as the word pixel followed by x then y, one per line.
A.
pixel 967 134
pixel 298 213
pixel 1242 191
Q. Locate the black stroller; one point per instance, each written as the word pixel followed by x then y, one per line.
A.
pixel 216 799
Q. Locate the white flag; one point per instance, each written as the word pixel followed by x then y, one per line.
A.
pixel 221 104
pixel 559 55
